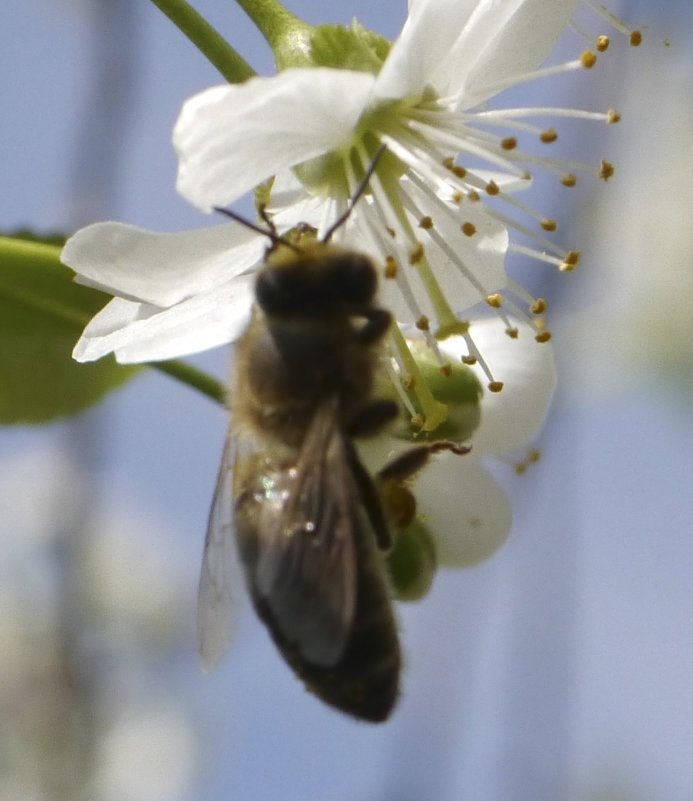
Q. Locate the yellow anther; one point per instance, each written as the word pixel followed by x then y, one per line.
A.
pixel 571 261
pixel 539 306
pixel 549 225
pixel 569 179
pixel 548 136
pixel 418 421
pixel 469 360
pixel 510 143
pixel 532 457
pixel 606 170
pixel 446 370
pixel 588 59
pixel 417 254
pixel 603 43
pixel 390 267
pixel 495 386
pixel 423 323
pixel 426 223
pixel 492 188
pixel 513 333
pixel 474 196
pixel 495 301
pixel 543 336
pixel 455 169
pixel 612 116
pixel 635 38
pixel 468 229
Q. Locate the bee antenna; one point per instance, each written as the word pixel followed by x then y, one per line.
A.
pixel 270 232
pixel 267 218
pixel 357 195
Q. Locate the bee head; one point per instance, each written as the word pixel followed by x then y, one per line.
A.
pixel 318 282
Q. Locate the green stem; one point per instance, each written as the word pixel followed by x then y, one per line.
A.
pixel 448 323
pixel 207 39
pixel 287 35
pixel 187 374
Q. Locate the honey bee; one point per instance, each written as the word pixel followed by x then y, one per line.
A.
pixel 308 520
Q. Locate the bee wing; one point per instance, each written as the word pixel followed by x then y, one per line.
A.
pixel 306 570
pixel 220 570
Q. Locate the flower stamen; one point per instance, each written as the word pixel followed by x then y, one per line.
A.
pixel 433 412
pixel 545 72
pixel 499 116
pixel 633 34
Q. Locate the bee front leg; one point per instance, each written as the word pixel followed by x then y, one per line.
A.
pixel 408 463
pixel 398 500
pixel 375 327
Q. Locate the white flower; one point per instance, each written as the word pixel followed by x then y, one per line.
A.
pixel 426 219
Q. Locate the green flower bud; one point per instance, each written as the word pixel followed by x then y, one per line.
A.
pixel 454 388
pixel 411 563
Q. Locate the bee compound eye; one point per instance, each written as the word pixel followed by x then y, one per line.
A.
pixel 278 292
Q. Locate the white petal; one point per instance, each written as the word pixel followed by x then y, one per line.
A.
pixel 502 40
pixel 292 209
pixel 287 191
pixel 231 138
pixel 139 332
pixel 161 269
pixel 512 418
pixel 466 511
pixel 416 55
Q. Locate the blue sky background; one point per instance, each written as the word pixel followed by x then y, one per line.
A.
pixel 561 669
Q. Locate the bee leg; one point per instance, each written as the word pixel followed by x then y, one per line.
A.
pixel 408 463
pixel 397 499
pixel 372 418
pixel 375 327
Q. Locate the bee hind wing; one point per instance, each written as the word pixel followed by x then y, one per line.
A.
pixel 220 571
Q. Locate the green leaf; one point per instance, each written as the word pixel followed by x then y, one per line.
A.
pixel 42 314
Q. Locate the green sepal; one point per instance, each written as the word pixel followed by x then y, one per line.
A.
pixel 42 314
pixel 355 48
